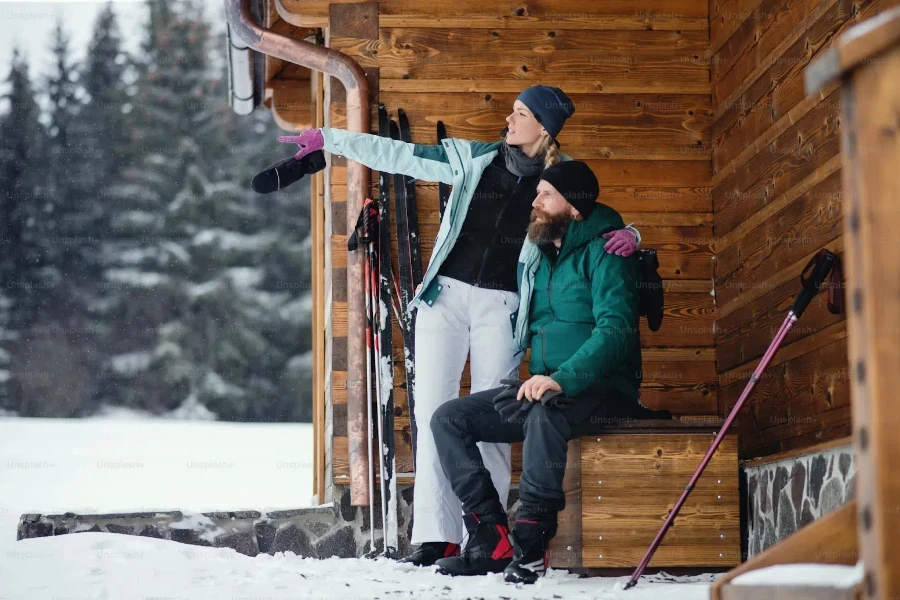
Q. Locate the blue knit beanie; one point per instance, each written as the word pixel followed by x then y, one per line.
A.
pixel 550 106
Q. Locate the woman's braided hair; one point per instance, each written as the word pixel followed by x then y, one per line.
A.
pixel 551 152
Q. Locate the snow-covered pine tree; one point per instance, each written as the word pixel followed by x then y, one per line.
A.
pixel 145 261
pixel 22 282
pixel 55 357
pixel 197 261
pixel 65 231
pixel 105 120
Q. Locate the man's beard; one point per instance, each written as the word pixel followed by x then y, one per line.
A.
pixel 549 229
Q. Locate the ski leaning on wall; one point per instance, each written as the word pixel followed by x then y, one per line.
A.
pixel 409 260
pixel 373 230
pixel 385 367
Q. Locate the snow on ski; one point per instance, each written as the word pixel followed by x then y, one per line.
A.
pixel 385 369
pixel 410 264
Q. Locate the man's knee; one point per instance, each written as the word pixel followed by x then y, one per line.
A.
pixel 541 417
pixel 447 417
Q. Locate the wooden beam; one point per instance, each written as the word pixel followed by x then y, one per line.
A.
pixel 745 334
pixel 584 85
pixel 793 156
pixel 293 105
pixel 762 142
pixel 618 58
pixel 725 17
pixel 814 449
pixel 727 101
pixel 670 15
pixel 772 208
pixel 776 279
pixel 878 35
pixel 810 222
pixel 867 59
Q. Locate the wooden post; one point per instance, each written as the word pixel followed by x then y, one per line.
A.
pixel 867 61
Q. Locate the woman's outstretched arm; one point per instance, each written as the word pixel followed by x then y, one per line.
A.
pixel 423 162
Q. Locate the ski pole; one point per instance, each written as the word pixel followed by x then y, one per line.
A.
pixel 369 360
pixel 818 268
pixel 371 225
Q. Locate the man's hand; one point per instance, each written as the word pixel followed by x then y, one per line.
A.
pixel 535 387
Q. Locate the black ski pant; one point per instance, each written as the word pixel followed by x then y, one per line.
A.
pixel 459 424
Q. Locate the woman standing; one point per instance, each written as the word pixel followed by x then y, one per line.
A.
pixel 468 301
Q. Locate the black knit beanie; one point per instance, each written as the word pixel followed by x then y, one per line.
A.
pixel 575 182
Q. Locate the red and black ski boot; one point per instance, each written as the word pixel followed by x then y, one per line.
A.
pixel 430 552
pixel 489 549
pixel 530 559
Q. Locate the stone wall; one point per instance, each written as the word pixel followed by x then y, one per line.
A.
pixel 319 532
pixel 784 496
pixel 338 529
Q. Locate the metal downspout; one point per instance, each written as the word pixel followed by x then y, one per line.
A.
pixel 244 27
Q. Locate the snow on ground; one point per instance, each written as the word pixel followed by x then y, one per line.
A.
pixel 119 567
pixel 836 576
pixel 115 464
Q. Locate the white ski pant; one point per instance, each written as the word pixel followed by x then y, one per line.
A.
pixel 464 320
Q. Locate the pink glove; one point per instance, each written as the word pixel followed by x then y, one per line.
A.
pixel 621 242
pixel 309 141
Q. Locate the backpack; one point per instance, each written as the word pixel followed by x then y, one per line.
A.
pixel 650 297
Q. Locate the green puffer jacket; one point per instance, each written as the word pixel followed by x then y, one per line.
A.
pixel 583 310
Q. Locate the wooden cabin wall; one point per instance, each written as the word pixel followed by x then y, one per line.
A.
pixel 776 201
pixel 640 84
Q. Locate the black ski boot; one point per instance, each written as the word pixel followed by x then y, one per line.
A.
pixel 530 559
pixel 429 553
pixel 489 549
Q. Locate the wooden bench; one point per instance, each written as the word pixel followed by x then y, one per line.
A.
pixel 621 484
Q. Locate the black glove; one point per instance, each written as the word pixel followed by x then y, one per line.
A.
pixel 506 404
pixel 285 172
pixel 555 399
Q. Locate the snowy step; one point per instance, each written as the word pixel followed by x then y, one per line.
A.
pixel 800 581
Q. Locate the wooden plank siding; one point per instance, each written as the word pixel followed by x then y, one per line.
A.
pixel 777 199
pixel 643 122
pixel 670 15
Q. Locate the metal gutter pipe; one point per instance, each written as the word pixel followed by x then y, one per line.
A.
pixel 244 27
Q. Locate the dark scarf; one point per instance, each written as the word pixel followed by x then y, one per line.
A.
pixel 520 164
